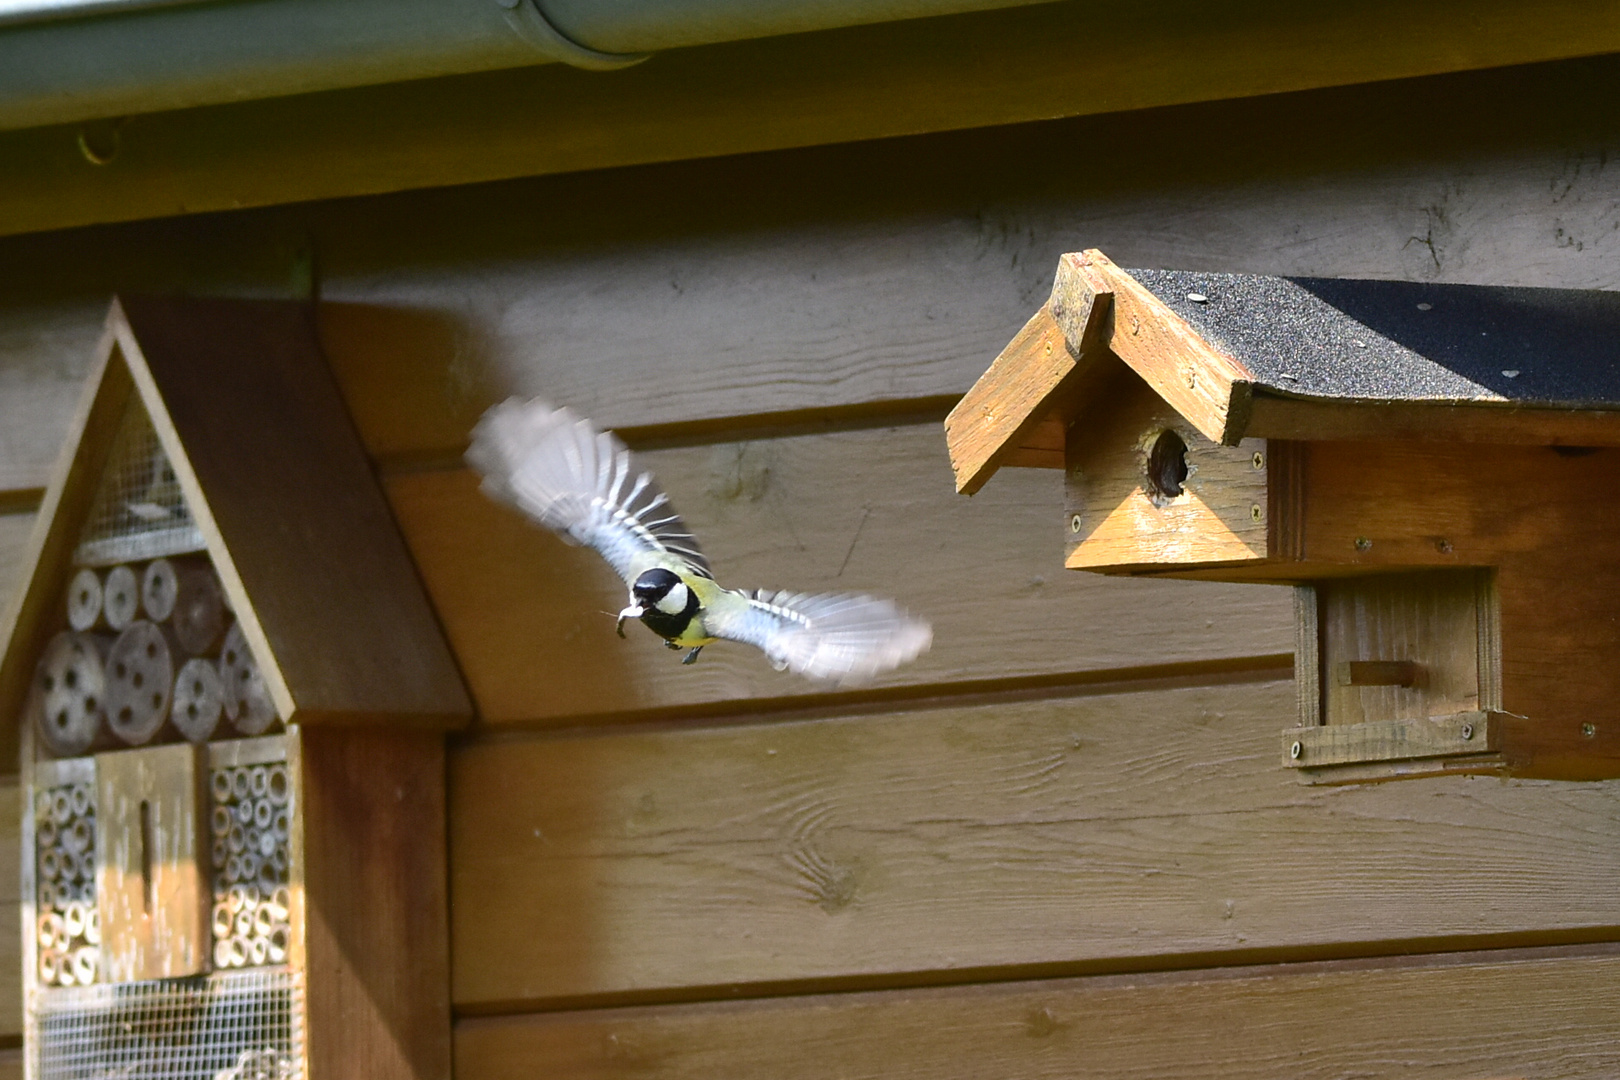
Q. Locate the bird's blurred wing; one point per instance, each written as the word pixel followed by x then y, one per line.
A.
pixel 835 636
pixel 554 466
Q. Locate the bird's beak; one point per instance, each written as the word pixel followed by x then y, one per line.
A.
pixel 634 611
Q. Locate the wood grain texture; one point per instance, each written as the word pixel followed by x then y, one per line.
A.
pixel 865 511
pixel 1199 381
pixel 14 530
pixel 296 523
pixel 792 283
pixel 375 942
pixel 1431 619
pixel 1285 418
pixel 1531 513
pixel 1119 522
pixel 1057 835
pixel 151 886
pixel 1000 410
pixel 1036 385
pixel 1461 735
pixel 798 90
pixel 1550 1015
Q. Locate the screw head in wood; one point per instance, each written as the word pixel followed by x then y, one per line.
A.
pixel 1295 751
pixel 1074 523
pixel 1363 544
pixel 1259 460
pixel 1467 732
pixel 1589 730
pixel 1254 512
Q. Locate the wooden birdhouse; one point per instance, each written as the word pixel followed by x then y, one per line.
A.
pixel 230 695
pixel 1427 465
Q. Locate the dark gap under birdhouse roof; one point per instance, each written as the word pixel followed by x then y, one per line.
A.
pixel 1348 339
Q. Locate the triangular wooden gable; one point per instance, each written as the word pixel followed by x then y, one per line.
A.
pixel 282 494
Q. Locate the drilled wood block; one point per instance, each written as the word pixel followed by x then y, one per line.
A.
pixel 150 880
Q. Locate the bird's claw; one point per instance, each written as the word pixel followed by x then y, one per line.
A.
pixel 691 657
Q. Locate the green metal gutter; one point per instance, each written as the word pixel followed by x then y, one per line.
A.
pixel 63 61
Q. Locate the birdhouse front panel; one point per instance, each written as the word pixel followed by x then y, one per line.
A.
pixel 1147 491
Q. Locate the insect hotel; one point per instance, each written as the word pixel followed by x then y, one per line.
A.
pixel 1418 461
pixel 231 731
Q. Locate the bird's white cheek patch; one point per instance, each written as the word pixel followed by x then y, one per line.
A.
pixel 674 601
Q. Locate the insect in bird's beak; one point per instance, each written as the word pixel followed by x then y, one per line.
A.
pixel 634 611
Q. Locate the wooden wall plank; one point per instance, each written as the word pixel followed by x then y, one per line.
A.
pixel 868 511
pixel 831 278
pixel 797 90
pixel 14 530
pixel 1070 833
pixel 1554 1016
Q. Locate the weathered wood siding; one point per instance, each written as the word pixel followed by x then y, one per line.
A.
pixel 1079 784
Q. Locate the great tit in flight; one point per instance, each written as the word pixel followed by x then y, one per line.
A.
pixel 558 469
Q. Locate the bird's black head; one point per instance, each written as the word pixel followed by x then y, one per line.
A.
pixel 653 585
pixel 667 603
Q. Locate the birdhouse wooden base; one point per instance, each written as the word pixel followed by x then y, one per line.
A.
pixel 1456 561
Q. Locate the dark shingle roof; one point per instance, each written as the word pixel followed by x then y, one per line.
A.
pixel 1346 339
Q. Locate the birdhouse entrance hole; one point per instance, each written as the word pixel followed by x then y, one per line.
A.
pixel 1167 465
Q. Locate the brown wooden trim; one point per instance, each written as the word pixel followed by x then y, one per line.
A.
pixel 1026 396
pixel 1276 417
pixel 1202 383
pixel 908 77
pixel 376 938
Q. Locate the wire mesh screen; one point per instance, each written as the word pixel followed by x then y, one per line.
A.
pixel 237 1025
pixel 138 511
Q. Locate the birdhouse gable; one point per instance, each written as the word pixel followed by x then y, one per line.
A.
pixel 211 458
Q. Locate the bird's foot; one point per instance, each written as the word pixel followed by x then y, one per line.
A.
pixel 671 646
pixel 691 657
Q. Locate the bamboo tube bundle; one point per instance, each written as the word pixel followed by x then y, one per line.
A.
pixel 121 597
pixel 84 601
pixel 276 787
pixel 249 828
pixel 52 931
pixel 65 866
pixel 140 682
pixel 86 964
pixel 199 700
pixel 73 920
pixel 69 692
